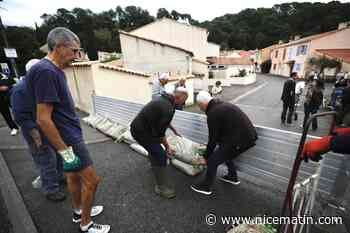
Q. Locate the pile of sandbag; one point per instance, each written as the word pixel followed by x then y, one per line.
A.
pixel 187 154
pixel 105 125
pixel 126 137
pixel 253 228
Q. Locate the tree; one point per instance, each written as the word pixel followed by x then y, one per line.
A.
pixel 27 46
pixel 323 62
pixel 162 12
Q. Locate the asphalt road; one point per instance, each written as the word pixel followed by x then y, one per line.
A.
pixel 263 105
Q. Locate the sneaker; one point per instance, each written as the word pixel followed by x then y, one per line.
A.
pixel 95 210
pixel 230 180
pixel 203 189
pixel 56 197
pixel 95 228
pixel 14 132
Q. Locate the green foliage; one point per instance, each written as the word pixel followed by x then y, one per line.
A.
pixel 323 62
pixel 262 27
pixel 242 73
pixel 26 44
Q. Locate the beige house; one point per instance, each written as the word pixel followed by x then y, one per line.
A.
pixel 154 57
pixel 86 79
pixel 264 54
pixel 165 46
pixel 229 67
pixel 294 55
pixel 181 35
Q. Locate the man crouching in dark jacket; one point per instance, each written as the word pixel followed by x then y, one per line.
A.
pixel 230 134
pixel 148 129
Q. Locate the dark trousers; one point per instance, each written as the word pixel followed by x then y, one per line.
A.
pixel 5 112
pixel 156 154
pixel 219 156
pixel 310 110
pixel 290 108
pixel 50 165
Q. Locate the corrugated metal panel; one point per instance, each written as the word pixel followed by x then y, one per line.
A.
pixel 270 160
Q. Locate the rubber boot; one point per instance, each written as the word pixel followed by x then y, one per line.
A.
pixel 162 186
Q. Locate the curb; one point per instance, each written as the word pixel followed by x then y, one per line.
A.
pixel 18 214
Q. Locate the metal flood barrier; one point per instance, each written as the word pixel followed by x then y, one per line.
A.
pixel 271 160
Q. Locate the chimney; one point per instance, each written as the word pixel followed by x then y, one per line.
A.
pixel 343 25
pixel 297 37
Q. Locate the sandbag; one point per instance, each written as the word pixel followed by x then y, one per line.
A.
pixel 116 130
pixel 139 149
pixel 126 137
pixel 187 168
pixel 252 228
pixel 105 125
pixel 96 120
pixel 186 150
pixel 91 119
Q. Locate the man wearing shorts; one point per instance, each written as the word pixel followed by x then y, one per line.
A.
pixel 55 114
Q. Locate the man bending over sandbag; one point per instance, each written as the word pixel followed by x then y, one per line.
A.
pixel 230 134
pixel 148 129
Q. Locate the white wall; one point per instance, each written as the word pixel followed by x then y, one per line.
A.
pixel 233 70
pixel 200 68
pixel 177 34
pixel 81 85
pixel 213 50
pixel 121 85
pixel 153 58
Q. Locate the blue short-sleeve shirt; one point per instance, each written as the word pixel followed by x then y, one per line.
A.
pixel 48 85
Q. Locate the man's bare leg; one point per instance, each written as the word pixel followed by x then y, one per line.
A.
pixel 90 181
pixel 74 187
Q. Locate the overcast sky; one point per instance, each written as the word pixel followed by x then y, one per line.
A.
pixel 27 12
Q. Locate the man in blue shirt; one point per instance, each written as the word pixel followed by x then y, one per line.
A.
pixel 55 114
pixel 45 157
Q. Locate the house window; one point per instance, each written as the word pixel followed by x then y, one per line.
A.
pixel 221 67
pixel 297 67
pixel 302 50
pixel 284 54
pixel 274 66
pixel 290 53
pixel 276 54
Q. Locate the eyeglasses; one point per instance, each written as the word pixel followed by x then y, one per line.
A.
pixel 75 50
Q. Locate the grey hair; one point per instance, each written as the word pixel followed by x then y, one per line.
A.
pixel 60 35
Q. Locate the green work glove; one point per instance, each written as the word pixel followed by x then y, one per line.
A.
pixel 71 162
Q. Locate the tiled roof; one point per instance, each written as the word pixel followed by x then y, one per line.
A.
pixel 342 54
pixel 200 61
pixel 157 42
pixel 84 63
pixel 116 68
pixel 230 61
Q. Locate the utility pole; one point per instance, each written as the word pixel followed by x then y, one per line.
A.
pixel 4 38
